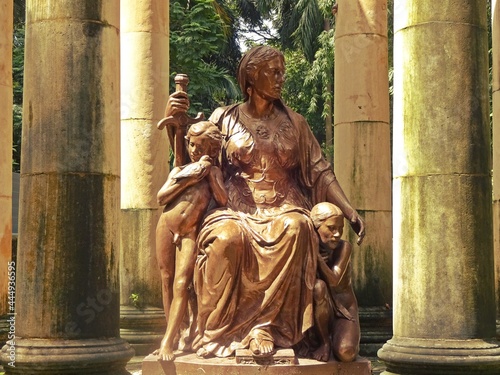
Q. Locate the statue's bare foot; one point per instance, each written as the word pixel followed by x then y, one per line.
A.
pixel 165 354
pixel 322 353
pixel 202 353
pixel 262 347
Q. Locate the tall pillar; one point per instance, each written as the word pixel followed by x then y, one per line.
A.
pixel 362 156
pixel 67 301
pixel 6 29
pixel 144 92
pixel 444 299
pixel 495 31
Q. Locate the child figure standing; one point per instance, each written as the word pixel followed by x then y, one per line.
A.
pixel 186 195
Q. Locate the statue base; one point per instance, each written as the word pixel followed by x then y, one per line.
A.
pixel 281 357
pixel 189 363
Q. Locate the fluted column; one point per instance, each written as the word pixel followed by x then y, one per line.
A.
pixel 444 299
pixel 6 29
pixel 144 92
pixel 68 292
pixel 495 28
pixel 362 155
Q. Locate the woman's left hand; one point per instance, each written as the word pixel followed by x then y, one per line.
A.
pixel 358 225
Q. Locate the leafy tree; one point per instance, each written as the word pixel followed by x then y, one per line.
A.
pixel 198 39
pixel 298 23
pixel 230 54
pixel 302 94
pixel 17 80
pixel 17 83
pixel 308 88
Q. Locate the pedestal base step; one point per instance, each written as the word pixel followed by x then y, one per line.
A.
pixel 281 357
pixel 188 364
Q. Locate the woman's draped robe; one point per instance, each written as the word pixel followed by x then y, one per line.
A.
pixel 256 272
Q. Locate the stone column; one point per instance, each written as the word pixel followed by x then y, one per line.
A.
pixel 6 29
pixel 495 28
pixel 362 156
pixel 444 298
pixel 144 93
pixel 68 292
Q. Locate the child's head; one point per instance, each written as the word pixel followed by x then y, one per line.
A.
pixel 328 220
pixel 203 138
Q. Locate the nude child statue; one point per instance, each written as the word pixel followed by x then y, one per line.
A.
pixel 335 305
pixel 186 196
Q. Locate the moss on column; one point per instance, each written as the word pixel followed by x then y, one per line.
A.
pixel 444 317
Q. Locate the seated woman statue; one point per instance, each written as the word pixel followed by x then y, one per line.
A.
pixel 255 275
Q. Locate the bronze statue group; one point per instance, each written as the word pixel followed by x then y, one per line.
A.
pixel 253 222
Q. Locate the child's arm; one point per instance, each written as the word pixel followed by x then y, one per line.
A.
pixel 334 275
pixel 173 187
pixel 216 181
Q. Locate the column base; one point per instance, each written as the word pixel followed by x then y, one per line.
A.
pixel 410 356
pixel 56 356
pixel 4 330
pixel 143 329
pixel 376 329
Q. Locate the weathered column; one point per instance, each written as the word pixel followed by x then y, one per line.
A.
pixel 68 295
pixel 6 29
pixel 362 156
pixel 444 299
pixel 144 92
pixel 495 28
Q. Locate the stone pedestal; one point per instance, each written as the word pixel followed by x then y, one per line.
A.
pixel 6 27
pixel 444 299
pixel 362 151
pixel 144 167
pixel 68 292
pixel 188 364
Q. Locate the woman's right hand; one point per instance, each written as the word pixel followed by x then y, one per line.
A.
pixel 178 102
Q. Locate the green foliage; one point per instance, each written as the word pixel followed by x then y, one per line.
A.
pixel 17 83
pixel 309 85
pixel 16 133
pixel 310 25
pixel 301 94
pixel 321 72
pixel 198 36
pixel 136 301
pixel 19 12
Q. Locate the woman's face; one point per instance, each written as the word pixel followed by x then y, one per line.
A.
pixel 269 79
